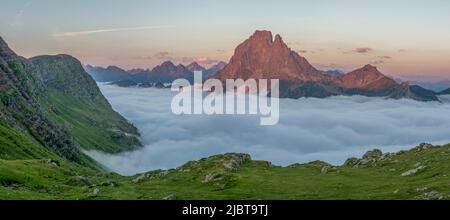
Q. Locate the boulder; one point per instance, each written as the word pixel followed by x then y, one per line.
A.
pixel 351 162
pixel 422 147
pixel 79 181
pixel 373 154
pixel 413 171
pixel 235 161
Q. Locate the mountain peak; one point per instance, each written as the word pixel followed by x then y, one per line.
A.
pixel 114 68
pixel 262 57
pixel 168 63
pixel 5 50
pixel 2 43
pixel 220 65
pixel 278 39
pixel 194 66
pixel 262 35
pixel 370 67
pixel 368 78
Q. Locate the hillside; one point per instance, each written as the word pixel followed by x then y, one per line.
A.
pixel 23 121
pixel 421 173
pixel 51 108
pixel 74 101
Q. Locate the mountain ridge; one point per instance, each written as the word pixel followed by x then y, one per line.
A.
pixel 166 72
pixel 52 103
pixel 263 57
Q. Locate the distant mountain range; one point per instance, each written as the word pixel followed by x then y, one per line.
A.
pixel 445 92
pixel 438 86
pixel 264 57
pixel 167 72
pixel 333 72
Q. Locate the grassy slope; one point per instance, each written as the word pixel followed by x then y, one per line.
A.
pixel 93 126
pixel 73 101
pixel 250 180
pixel 15 145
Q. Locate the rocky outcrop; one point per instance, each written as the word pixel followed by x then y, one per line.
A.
pixel 367 78
pixel 264 57
pixel 370 158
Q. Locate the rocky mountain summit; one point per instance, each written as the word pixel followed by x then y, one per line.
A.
pixel 264 57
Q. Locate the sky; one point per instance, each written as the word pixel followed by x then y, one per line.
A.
pixel 404 38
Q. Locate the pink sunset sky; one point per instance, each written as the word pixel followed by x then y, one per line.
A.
pixel 407 39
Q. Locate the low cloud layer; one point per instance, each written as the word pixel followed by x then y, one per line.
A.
pixel 331 129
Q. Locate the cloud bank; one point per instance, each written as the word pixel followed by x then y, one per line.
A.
pixel 331 129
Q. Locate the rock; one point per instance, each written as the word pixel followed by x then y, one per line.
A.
pixel 351 162
pixel 169 197
pixel 94 193
pixel 371 157
pixel 163 174
pixel 413 171
pixel 422 147
pixel 267 164
pixel 140 178
pixel 432 195
pixel 373 154
pixel 79 181
pixel 150 175
pixel 295 165
pixel 421 189
pixel 236 161
pixel 325 169
pixel 52 162
pixel 211 178
pixel 109 183
pixel 208 178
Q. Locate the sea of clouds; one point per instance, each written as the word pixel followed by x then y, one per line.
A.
pixel 331 129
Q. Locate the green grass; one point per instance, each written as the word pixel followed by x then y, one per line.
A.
pixel 92 125
pixel 36 179
pixel 15 145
